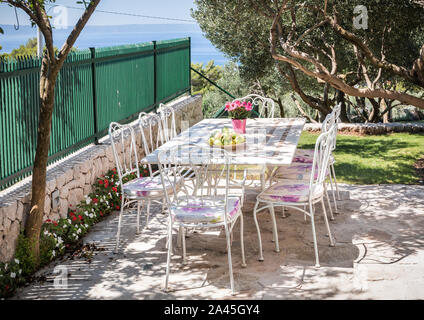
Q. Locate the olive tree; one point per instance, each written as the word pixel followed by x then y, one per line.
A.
pixel 52 62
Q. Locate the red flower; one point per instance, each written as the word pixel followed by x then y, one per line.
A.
pixel 55 223
pixel 95 200
pixel 6 287
pixel 70 205
pixel 48 221
pixel 74 218
pixel 118 207
pixel 101 214
pixel 80 217
pixel 100 181
pixel 115 189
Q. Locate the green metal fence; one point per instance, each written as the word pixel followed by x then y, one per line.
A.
pixel 94 88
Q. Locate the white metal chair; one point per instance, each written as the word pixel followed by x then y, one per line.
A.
pixel 298 194
pixel 205 208
pixel 167 115
pixel 140 189
pixel 306 155
pixel 266 109
pixel 266 106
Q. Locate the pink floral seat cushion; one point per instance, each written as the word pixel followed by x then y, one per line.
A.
pixel 307 156
pixel 297 171
pixel 203 211
pixel 146 187
pixel 289 193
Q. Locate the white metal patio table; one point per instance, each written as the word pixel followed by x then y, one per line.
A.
pixel 270 142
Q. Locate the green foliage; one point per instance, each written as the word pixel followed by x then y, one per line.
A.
pixel 225 23
pixel 29 49
pixel 199 84
pixel 375 159
pixel 24 255
pixel 230 81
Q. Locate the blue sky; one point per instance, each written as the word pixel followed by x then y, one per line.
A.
pixel 179 9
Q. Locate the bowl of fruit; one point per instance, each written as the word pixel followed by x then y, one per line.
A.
pixel 226 139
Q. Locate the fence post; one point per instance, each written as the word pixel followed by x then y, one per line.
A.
pixel 155 93
pixel 93 75
pixel 189 65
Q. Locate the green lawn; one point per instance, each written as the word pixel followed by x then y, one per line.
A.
pixel 374 159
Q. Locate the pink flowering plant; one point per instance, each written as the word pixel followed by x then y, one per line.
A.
pixel 238 110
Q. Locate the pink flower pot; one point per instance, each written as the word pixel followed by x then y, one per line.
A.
pixel 239 125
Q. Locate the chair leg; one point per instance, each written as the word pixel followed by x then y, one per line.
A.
pixel 311 211
pixel 148 213
pixel 168 259
pixel 335 181
pixel 184 245
pixel 328 202
pixel 326 223
pixel 179 238
pixel 274 229
pixel 230 264
pixel 284 213
pixel 262 180
pixel 332 189
pixel 119 224
pixel 261 258
pixel 243 258
pixel 138 216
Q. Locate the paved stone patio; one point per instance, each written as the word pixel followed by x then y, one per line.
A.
pixel 379 254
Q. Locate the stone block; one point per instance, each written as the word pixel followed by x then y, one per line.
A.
pixel 63 208
pixel 105 164
pixel 69 175
pixel 20 211
pixel 109 153
pixel 87 178
pixel 51 185
pixel 87 189
pixel 6 224
pixel 2 217
pixel 75 196
pixel 47 205
pixel 10 210
pixel 60 181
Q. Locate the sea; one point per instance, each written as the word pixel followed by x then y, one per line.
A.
pixel 202 50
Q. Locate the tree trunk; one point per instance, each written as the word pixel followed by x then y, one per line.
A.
pixel 280 105
pixel 375 112
pixel 340 97
pixel 35 218
pixel 386 115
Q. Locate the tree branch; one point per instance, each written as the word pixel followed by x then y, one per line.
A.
pixel 67 46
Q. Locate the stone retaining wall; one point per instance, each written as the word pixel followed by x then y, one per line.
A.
pixel 73 177
pixel 371 128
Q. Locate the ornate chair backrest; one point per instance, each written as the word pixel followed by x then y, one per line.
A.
pixel 167 114
pixel 323 148
pixel 266 106
pixel 327 123
pixel 155 139
pixel 124 151
pixel 336 114
pixel 176 163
